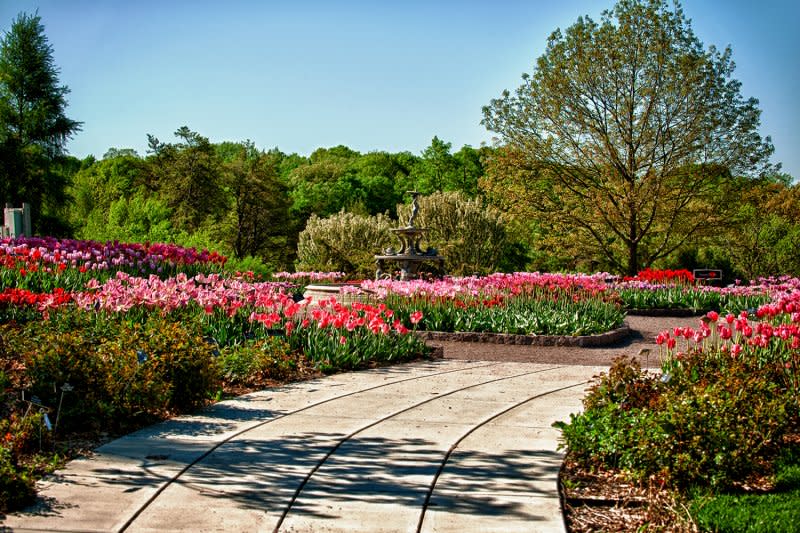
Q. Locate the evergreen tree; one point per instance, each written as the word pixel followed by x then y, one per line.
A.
pixel 34 127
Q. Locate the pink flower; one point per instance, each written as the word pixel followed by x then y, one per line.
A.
pixel 416 316
pixel 713 316
pixel 736 349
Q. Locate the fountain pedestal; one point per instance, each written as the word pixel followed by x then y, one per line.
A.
pixel 410 258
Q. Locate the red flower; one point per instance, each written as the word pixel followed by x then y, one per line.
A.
pixel 416 316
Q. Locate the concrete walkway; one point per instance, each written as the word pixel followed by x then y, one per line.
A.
pixel 436 446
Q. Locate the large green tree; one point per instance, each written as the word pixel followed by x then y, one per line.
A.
pixel 188 176
pixel 34 127
pixel 258 223
pixel 625 135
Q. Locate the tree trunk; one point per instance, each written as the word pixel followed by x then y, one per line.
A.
pixel 633 258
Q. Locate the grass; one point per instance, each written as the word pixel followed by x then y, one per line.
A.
pixel 775 512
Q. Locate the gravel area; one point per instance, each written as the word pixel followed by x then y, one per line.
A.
pixel 643 332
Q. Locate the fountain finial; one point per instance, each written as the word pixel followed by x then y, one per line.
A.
pixel 414 207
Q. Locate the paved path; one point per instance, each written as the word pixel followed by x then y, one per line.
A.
pixel 461 446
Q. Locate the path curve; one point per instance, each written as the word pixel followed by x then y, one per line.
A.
pixel 643 332
pixel 460 444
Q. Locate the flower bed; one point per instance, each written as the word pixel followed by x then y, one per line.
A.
pixel 720 417
pixel 105 337
pixel 516 304
pixel 42 264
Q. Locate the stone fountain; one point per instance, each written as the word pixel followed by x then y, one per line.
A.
pixel 410 257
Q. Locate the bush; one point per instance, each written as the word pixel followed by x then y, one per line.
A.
pixel 625 385
pixel 705 427
pixel 117 371
pixel 16 484
pixel 343 242
pixel 252 363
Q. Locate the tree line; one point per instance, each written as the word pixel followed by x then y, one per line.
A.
pixel 629 146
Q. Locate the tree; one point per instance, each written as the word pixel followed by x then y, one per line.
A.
pixel 325 185
pixel 345 242
pixel 34 127
pixel 765 232
pixel 187 176
pixel 258 223
pixel 437 168
pixel 625 134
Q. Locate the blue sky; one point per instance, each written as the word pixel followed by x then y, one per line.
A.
pixel 367 74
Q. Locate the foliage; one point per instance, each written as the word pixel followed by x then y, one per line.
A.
pixel 470 235
pixel 34 128
pixel 701 428
pixel 253 362
pixel 624 139
pixel 259 206
pixel 16 484
pixel 187 176
pixel 765 232
pixel 729 394
pixel 778 511
pixel 343 242
pixel 118 371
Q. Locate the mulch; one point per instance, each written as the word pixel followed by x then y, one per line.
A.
pixel 640 343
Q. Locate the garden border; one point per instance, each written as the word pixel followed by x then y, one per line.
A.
pixel 665 312
pixel 583 341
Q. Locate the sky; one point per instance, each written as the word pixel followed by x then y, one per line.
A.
pixel 372 75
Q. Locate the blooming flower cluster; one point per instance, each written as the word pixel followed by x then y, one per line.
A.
pixel 41 302
pixel 771 341
pixel 493 284
pixel 124 292
pixel 331 314
pixel 53 254
pixel 662 276
pixel 309 276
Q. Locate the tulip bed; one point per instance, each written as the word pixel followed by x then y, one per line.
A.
pixel 519 303
pixel 106 337
pixel 722 419
pixel 678 290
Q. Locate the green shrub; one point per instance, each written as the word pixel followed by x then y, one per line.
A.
pixel 708 426
pixel 344 242
pixel 118 371
pixel 253 362
pixel 16 483
pixel 624 385
pixel 721 433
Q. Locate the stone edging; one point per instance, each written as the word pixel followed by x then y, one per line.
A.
pixel 678 313
pixel 602 339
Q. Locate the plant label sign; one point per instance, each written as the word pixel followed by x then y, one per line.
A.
pixel 707 274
